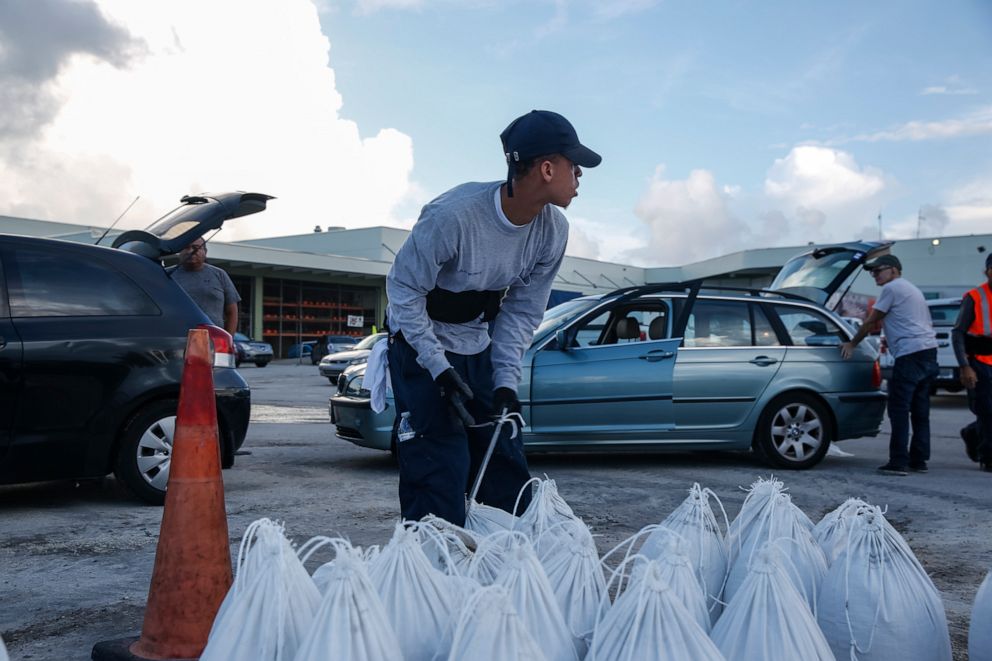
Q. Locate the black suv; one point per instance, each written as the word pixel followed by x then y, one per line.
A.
pixel 91 353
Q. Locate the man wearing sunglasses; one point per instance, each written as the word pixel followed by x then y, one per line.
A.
pixel 209 287
pixel 905 317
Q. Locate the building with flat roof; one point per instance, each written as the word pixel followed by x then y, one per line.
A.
pixel 298 288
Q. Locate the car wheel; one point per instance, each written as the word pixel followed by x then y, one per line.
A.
pixel 261 363
pixel 794 431
pixel 145 451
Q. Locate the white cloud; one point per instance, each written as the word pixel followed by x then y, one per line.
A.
pixel 969 207
pixel 371 6
pixel 229 95
pixel 978 122
pixel 821 178
pixel 953 86
pixel 618 8
pixel 687 219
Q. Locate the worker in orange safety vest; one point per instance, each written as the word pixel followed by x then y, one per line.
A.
pixel 972 340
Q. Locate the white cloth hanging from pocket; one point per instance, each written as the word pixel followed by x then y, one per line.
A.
pixel 376 379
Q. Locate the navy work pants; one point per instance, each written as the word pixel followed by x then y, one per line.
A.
pixel 909 402
pixel 982 401
pixel 439 465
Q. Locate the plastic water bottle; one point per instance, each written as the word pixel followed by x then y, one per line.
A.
pixel 405 431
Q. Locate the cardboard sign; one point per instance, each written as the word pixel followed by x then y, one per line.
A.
pixel 355 321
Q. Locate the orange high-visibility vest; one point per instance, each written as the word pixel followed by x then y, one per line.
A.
pixel 982 325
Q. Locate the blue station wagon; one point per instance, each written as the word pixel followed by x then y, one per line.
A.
pixel 682 366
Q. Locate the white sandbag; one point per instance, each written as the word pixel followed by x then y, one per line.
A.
pixel 980 631
pixel 523 577
pixel 322 575
pixel 3 651
pixel 418 599
pixel 779 521
pixel 270 605
pixel 831 532
pixel 451 549
pixel 760 494
pixel 351 623
pixel 544 517
pixel 648 622
pixel 488 559
pixel 877 603
pixel 675 569
pixel 485 520
pixel 489 628
pixel 768 620
pixel 576 577
pixel 703 542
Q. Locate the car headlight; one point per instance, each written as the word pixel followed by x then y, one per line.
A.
pixel 358 361
pixel 242 346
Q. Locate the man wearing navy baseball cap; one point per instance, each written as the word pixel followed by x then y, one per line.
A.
pixel 481 255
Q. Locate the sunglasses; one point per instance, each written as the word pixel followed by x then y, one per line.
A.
pixel 882 269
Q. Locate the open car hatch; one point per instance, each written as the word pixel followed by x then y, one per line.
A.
pixel 194 217
pixel 824 273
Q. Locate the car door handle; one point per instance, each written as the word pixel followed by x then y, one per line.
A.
pixel 763 361
pixel 655 356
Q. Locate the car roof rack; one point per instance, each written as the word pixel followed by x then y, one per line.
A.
pixel 636 291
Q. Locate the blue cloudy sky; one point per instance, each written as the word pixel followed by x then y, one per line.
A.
pixel 723 125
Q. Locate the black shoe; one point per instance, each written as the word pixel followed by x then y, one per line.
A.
pixel 985 466
pixel 889 469
pixel 919 467
pixel 969 434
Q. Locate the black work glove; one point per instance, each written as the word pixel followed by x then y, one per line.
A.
pixel 455 392
pixel 505 398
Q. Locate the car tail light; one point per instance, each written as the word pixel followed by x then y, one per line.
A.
pixel 876 375
pixel 223 345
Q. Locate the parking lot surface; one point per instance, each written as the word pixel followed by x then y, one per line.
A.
pixel 76 558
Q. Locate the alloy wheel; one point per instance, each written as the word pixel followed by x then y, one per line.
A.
pixel 797 431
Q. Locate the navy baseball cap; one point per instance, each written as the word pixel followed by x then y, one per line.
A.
pixel 884 260
pixel 542 133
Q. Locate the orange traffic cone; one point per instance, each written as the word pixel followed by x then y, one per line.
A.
pixel 193 560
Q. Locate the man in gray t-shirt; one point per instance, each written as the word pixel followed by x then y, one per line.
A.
pixel 208 286
pixel 909 334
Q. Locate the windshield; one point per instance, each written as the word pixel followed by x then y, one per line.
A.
pixel 369 342
pixel 812 271
pixel 563 313
pixel 944 315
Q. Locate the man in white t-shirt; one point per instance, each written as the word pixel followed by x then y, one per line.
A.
pixel 909 333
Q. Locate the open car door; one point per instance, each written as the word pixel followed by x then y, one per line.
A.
pixel 194 217
pixel 825 273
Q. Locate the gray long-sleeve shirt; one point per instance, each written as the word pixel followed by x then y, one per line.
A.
pixel 463 242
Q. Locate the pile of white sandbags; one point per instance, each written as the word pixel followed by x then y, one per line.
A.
pixel 768 585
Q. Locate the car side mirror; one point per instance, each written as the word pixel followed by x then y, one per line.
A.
pixel 561 337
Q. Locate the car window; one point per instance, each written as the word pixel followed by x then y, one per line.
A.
pixel 719 324
pixel 764 334
pixel 639 322
pixel 945 315
pixel 48 284
pixel 809 328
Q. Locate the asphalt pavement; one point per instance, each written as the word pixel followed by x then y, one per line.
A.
pixel 76 558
